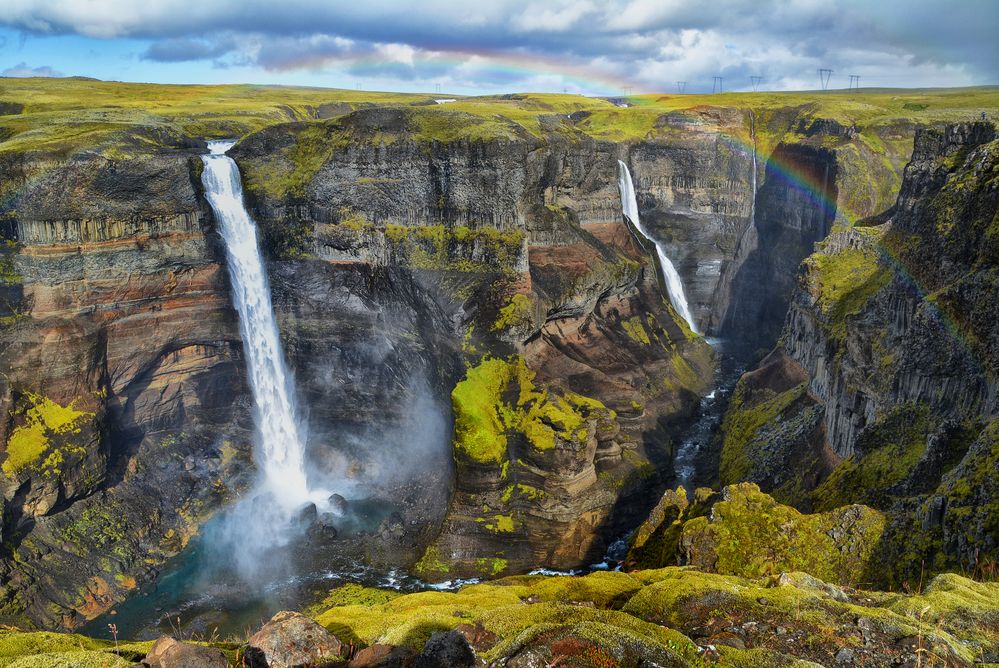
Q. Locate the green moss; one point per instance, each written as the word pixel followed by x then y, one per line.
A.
pixel 44 419
pixel 515 313
pixel 846 281
pixel 498 397
pixel 102 525
pixel 491 565
pixel 887 453
pixel 71 660
pixel 460 249
pixel 478 427
pixel 498 523
pixel 635 330
pixel 431 563
pixel 751 535
pixel 742 422
pixel 351 594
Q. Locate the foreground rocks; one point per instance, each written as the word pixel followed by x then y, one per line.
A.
pixel 169 653
pixel 665 617
pixel 289 640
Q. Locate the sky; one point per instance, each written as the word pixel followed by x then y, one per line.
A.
pixel 470 47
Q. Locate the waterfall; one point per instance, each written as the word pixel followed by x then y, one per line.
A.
pixel 674 286
pixel 752 177
pixel 279 430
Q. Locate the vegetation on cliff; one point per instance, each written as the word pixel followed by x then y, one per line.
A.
pixel 45 438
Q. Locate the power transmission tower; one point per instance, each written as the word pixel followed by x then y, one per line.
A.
pixel 437 87
pixel 756 83
pixel 855 82
pixel 716 86
pixel 627 90
pixel 824 76
pixel 681 86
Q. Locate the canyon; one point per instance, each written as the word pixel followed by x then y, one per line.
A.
pixel 491 371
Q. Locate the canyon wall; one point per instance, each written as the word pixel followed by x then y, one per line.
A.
pixel 883 387
pixel 476 307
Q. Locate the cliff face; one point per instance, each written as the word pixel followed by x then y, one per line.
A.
pixel 405 263
pixel 122 373
pixel 883 388
pixel 550 317
pixel 819 173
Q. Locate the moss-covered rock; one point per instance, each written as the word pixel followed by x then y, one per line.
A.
pixel 748 533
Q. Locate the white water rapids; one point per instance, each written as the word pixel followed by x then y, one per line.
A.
pixel 674 286
pixel 280 432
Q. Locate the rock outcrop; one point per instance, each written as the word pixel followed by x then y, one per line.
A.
pixel 883 388
pixel 289 640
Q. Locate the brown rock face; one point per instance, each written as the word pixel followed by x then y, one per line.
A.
pixel 121 360
pixel 291 640
pixel 169 653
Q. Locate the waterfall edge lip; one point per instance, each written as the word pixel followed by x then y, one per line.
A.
pixel 220 146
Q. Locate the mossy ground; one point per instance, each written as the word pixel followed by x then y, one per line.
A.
pixel 655 607
pixel 750 534
pixel 845 281
pixel 614 619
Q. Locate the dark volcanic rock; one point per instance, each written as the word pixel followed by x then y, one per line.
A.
pixel 446 649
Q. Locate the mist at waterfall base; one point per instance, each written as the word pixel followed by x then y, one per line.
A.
pixel 286 539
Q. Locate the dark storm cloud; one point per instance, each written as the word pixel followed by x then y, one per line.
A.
pixel 889 42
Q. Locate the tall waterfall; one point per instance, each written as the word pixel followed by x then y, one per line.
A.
pixel 752 177
pixel 629 205
pixel 279 429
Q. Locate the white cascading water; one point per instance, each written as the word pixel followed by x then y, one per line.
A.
pixel 752 177
pixel 674 286
pixel 279 430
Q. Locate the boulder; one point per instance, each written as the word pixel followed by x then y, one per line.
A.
pixel 168 652
pixel 289 640
pixel 446 649
pixel 383 656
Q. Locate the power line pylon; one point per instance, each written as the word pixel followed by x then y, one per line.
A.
pixel 824 76
pixel 756 83
pixel 855 82
pixel 716 86
pixel 681 86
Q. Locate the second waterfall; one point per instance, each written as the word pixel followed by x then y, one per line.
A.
pixel 674 286
pixel 279 429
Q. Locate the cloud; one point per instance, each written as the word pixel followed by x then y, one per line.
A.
pixel 182 49
pixel 23 70
pixel 645 44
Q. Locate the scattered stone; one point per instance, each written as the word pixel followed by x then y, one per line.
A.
pixel 447 649
pixel 168 652
pixel 338 504
pixel 728 640
pixel 308 514
pixel 289 640
pixel 845 656
pixel 383 656
pixel 324 526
